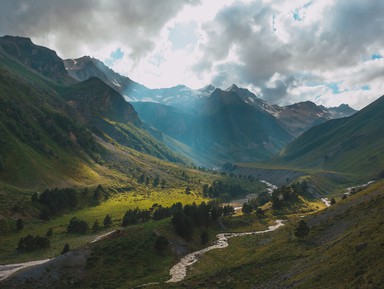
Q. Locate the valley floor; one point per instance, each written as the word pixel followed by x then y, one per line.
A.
pixel 341 251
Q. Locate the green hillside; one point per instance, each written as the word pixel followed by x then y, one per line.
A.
pixel 341 251
pixel 48 130
pixel 351 145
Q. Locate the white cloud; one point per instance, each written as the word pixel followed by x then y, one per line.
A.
pixel 286 51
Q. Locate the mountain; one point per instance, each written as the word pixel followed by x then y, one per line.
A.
pixel 221 125
pixel 86 67
pixel 298 117
pixel 353 144
pixel 41 59
pixel 60 134
pixel 343 110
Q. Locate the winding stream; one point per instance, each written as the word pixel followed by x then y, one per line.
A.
pixel 179 271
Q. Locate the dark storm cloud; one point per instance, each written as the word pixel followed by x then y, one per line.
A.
pixel 71 25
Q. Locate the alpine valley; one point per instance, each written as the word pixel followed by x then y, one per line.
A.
pixel 106 183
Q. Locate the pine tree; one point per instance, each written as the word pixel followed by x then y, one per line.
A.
pixel 49 232
pixel 19 224
pixel 65 249
pixel 301 230
pixel 161 243
pixel 107 222
pixel 96 227
pixel 204 238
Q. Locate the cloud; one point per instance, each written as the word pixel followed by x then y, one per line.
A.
pixel 288 51
pixel 73 27
pixel 328 40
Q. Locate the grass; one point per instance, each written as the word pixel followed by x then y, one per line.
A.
pixel 116 206
pixel 328 258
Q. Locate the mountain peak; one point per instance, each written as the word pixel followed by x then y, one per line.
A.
pixel 232 87
pixel 40 59
pixel 17 39
pixel 306 105
pixel 208 88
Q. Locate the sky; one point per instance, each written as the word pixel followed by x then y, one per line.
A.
pixel 326 51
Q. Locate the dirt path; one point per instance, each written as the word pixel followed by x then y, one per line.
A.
pixel 179 271
pixel 8 270
pixel 98 238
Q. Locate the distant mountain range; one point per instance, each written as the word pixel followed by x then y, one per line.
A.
pixel 229 124
pixel 296 118
pixel 85 67
pixel 208 125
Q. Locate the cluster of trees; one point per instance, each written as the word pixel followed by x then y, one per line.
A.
pixel 156 213
pixel 80 226
pixel 100 194
pixel 144 179
pixel 224 191
pixel 56 201
pixel 135 216
pixel 31 243
pixel 252 206
pixel 186 218
pixel 68 133
pixel 286 194
pixel 77 226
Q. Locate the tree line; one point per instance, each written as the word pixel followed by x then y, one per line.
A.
pixel 224 191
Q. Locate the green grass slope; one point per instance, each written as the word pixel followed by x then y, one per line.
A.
pixel 351 145
pixel 48 130
pixel 40 145
pixel 341 251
